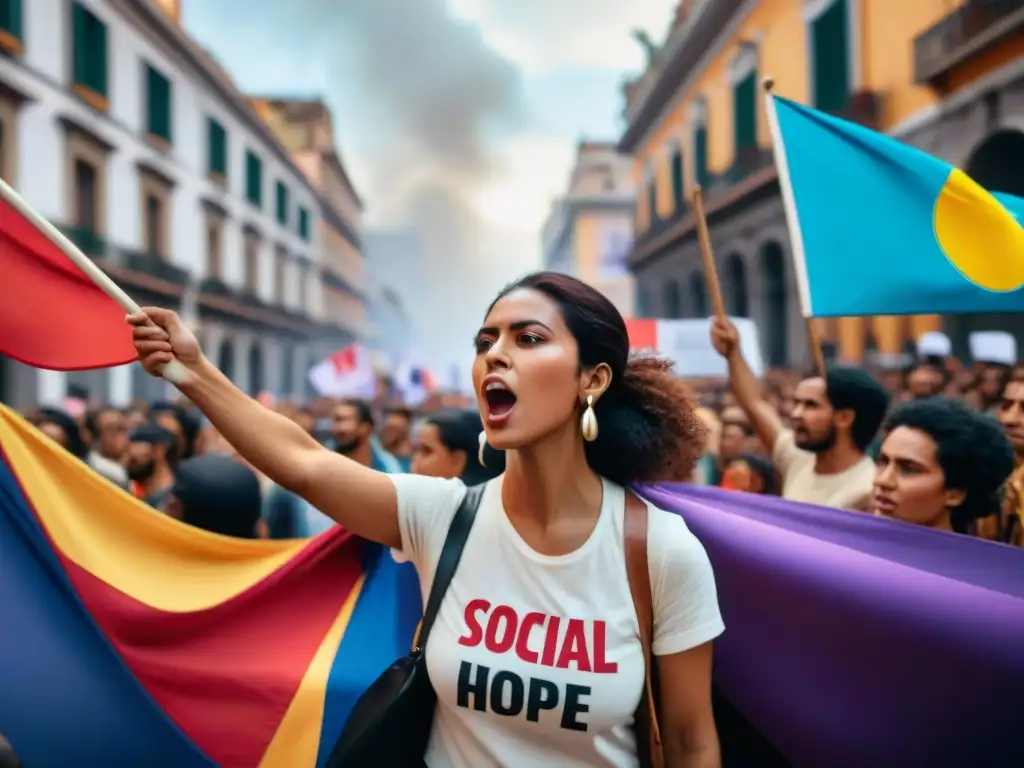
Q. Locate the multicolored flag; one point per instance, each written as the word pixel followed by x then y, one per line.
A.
pixel 129 638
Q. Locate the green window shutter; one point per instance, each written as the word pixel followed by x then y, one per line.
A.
pixel 304 224
pixel 700 156
pixel 98 57
pixel 677 179
pixel 831 44
pixel 253 179
pixel 282 203
pixel 158 92
pixel 218 149
pixel 745 112
pixel 80 45
pixel 10 17
pixel 89 47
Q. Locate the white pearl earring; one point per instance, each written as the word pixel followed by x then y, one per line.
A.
pixel 588 421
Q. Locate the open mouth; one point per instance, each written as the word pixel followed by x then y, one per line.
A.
pixel 500 402
pixel 884 504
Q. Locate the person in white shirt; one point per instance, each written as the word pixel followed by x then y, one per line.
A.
pixel 536 655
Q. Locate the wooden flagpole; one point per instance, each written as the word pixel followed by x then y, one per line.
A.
pixel 708 255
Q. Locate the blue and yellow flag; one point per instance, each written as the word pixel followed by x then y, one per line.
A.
pixel 879 227
pixel 128 638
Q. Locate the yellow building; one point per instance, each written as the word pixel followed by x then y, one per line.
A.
pixel 944 75
pixel 589 230
pixel 305 128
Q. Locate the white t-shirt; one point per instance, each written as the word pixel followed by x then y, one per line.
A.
pixel 849 489
pixel 536 659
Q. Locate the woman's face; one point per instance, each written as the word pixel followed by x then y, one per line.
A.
pixel 909 483
pixel 432 458
pixel 526 372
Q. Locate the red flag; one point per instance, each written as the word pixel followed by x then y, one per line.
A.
pixel 51 314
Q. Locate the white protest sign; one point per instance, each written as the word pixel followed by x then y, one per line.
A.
pixel 688 343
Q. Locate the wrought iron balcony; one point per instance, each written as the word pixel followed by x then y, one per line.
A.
pixel 90 243
pixel 749 160
pixel 147 263
pixel 250 298
pixel 962 34
pixel 864 108
pixel 216 287
pixel 658 225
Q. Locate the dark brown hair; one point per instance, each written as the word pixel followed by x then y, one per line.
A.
pixel 649 430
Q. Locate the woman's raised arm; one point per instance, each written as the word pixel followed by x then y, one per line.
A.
pixel 362 500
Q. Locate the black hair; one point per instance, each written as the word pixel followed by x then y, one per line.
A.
pixel 460 430
pixel 399 410
pixel 760 466
pixel 218 494
pixel 190 423
pixel 649 430
pixel 76 444
pixel 972 450
pixel 857 390
pixel 931 363
pixel 363 410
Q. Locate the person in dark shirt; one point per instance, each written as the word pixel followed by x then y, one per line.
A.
pixel 151 458
pixel 218 494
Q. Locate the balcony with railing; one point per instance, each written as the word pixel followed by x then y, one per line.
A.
pixel 91 243
pixel 661 224
pixel 962 34
pixel 864 108
pixel 748 161
pixel 150 264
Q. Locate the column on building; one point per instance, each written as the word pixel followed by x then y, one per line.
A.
pixel 888 331
pixel 273 367
pixel 120 386
pixel 850 335
pixel 303 360
pixel 922 324
pixel 242 341
pixel 53 388
pixel 212 338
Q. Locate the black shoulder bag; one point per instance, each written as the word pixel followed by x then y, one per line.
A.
pixel 390 724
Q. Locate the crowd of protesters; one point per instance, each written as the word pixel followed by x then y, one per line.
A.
pixel 939 444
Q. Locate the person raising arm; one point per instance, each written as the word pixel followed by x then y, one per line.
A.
pixel 823 460
pixel 360 499
pixel 762 417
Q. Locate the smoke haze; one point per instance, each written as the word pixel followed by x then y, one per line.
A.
pixel 434 93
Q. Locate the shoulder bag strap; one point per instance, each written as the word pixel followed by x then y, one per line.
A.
pixel 639 576
pixel 451 554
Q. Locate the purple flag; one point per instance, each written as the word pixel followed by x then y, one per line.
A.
pixel 853 640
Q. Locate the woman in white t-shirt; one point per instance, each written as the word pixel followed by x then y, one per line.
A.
pixel 535 656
